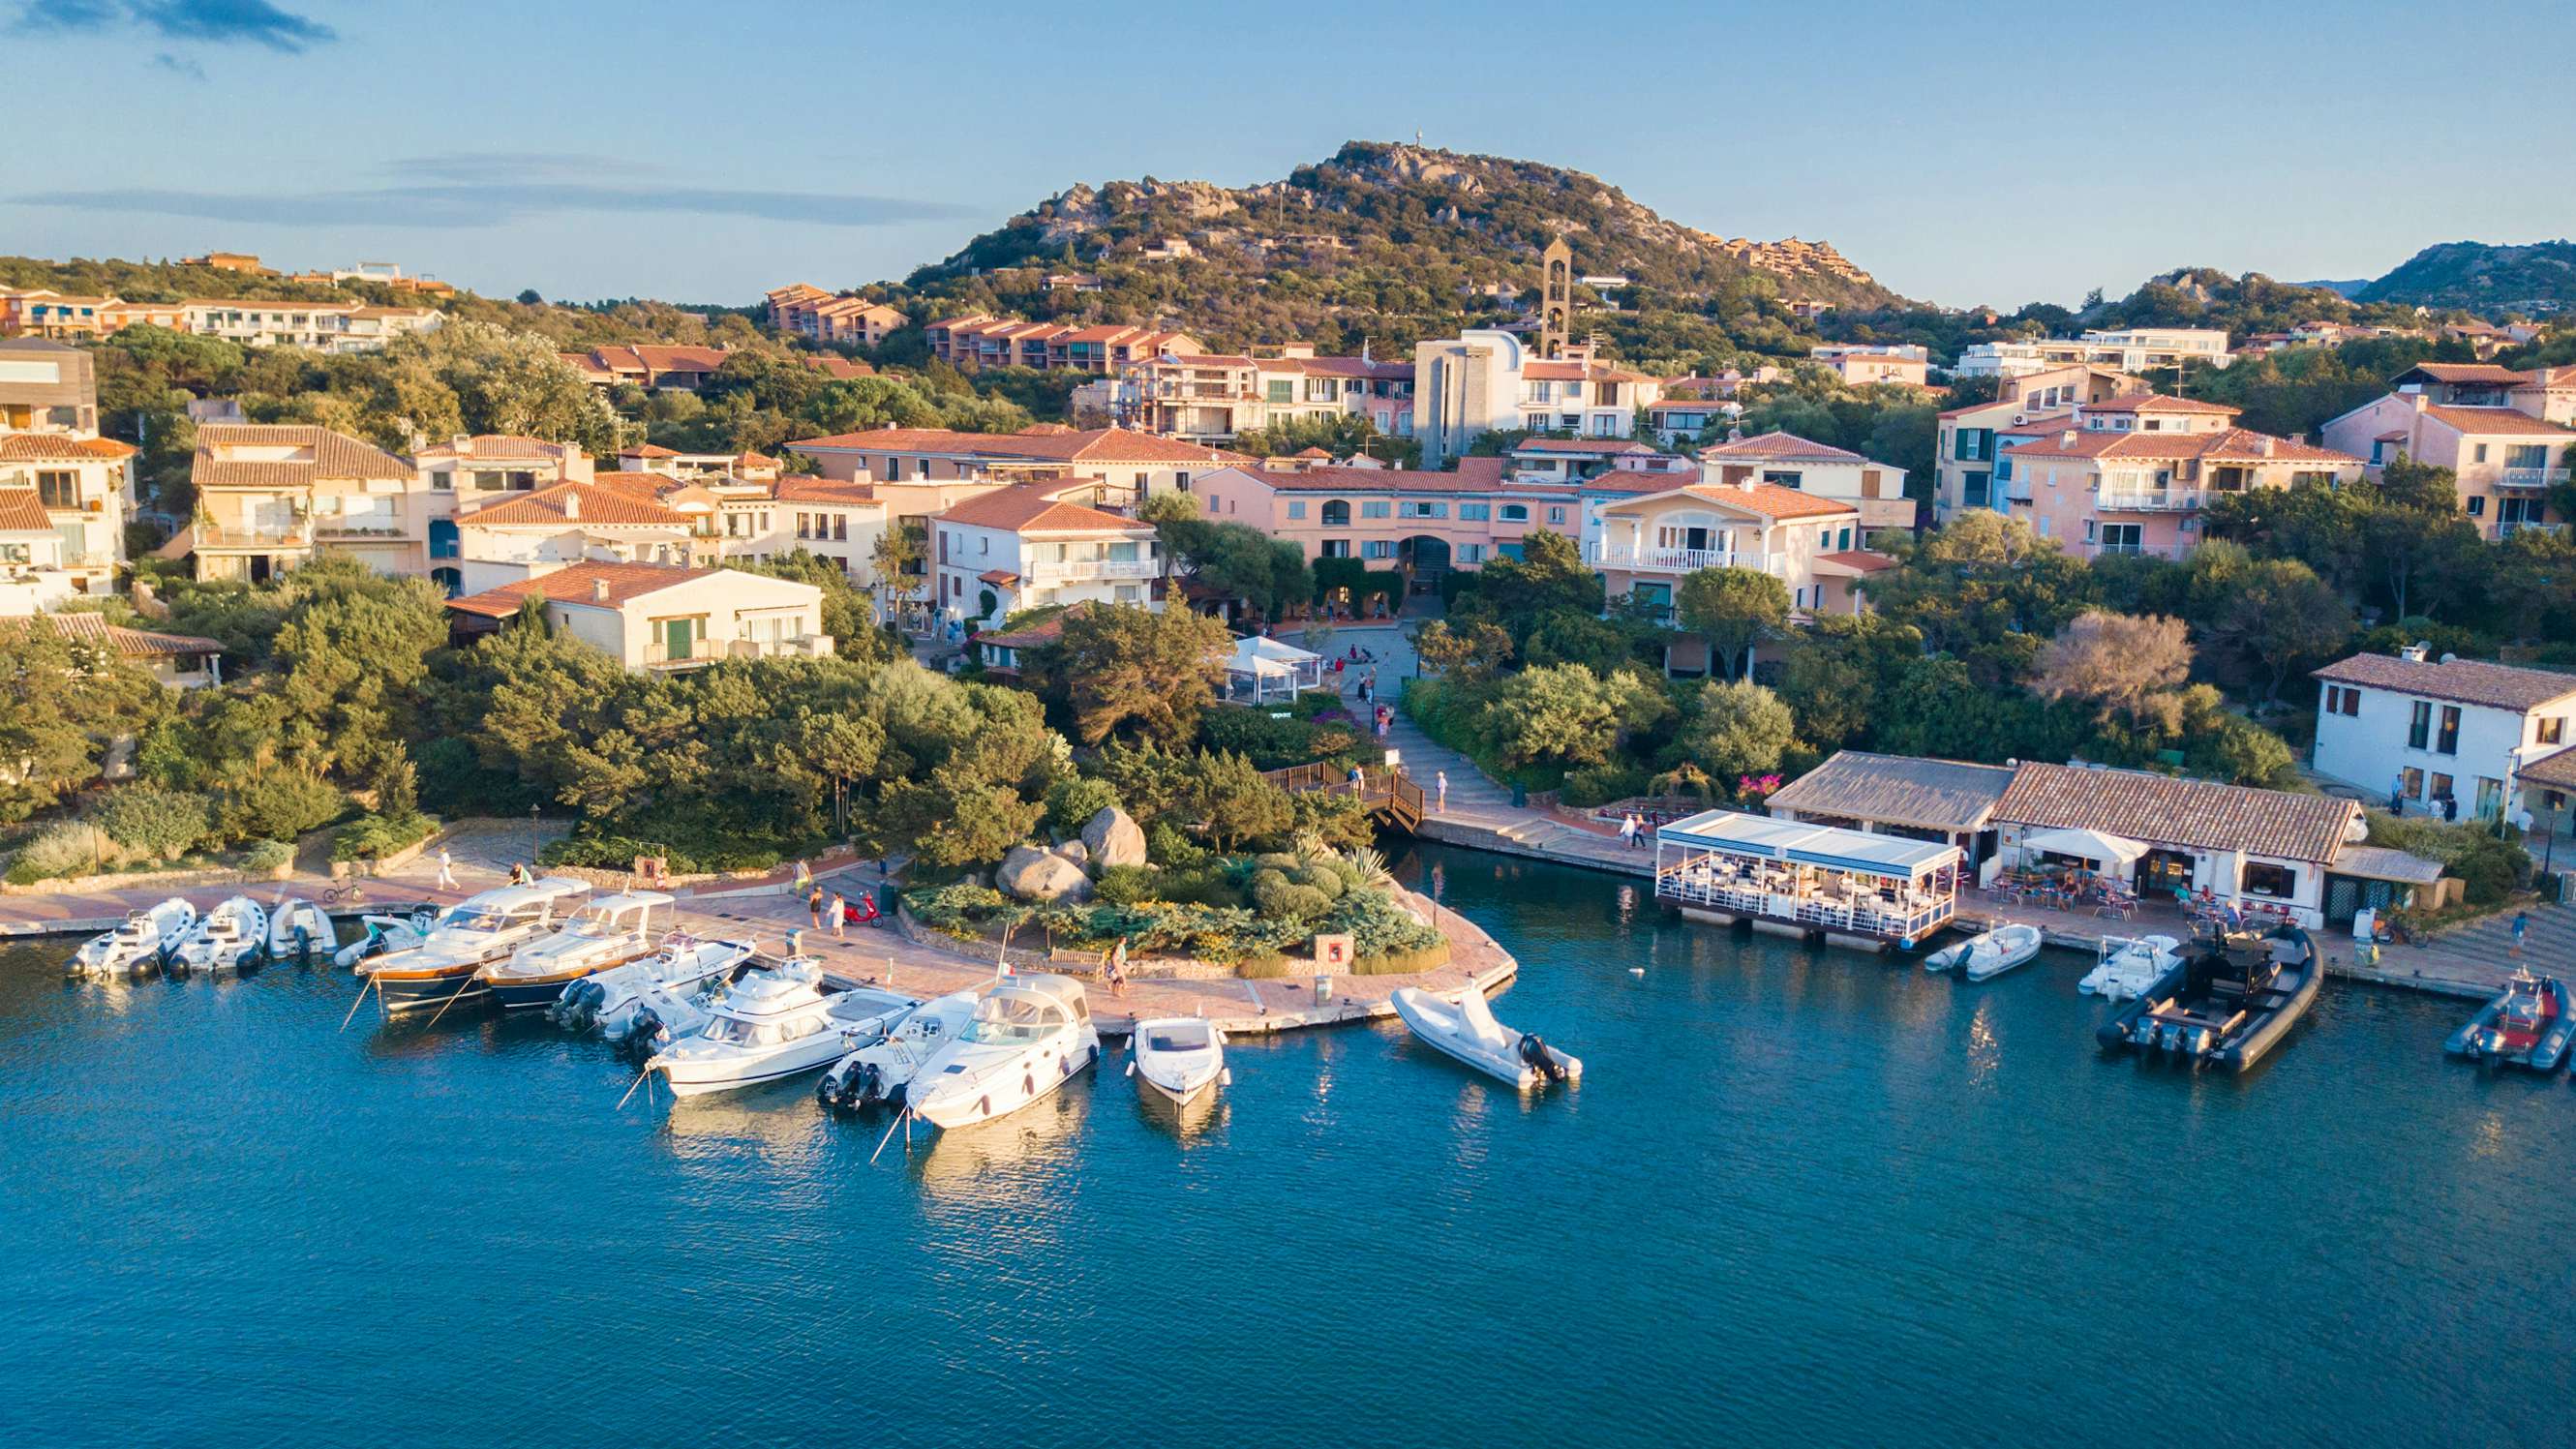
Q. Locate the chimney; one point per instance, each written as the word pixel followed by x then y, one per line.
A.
pixel 2066 439
pixel 464 442
pixel 2265 447
pixel 599 591
pixel 572 504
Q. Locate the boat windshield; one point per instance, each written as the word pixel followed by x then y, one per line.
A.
pixel 734 1031
pixel 469 918
pixel 1009 1019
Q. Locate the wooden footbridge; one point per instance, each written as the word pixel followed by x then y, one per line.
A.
pixel 1389 795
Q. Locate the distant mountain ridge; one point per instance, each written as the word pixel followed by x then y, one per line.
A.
pixel 2537 277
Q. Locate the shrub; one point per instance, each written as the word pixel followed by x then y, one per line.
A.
pixel 1600 784
pixel 1323 878
pixel 960 910
pixel 1166 845
pixel 1125 885
pixel 274 802
pixel 1072 801
pixel 262 856
pixel 373 837
pixel 1204 885
pixel 1403 963
pixel 1284 900
pixel 1377 926
pixel 158 824
pixel 1273 744
pixel 66 848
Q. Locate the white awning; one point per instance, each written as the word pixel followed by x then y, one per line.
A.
pixel 2102 849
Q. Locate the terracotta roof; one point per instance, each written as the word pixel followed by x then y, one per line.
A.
pixel 2469 681
pixel 574 585
pixel 2162 810
pixel 2496 422
pixel 2148 402
pixel 1768 499
pixel 497 445
pixel 801 489
pixel 1376 480
pixel 55 448
pixel 2464 372
pixel 21 511
pixel 580 503
pixel 1582 372
pixel 840 369
pixel 334 455
pixel 1586 445
pixel 647 357
pixel 91 628
pixel 999 576
pixel 1778 447
pixel 646 450
pixel 1904 790
pixel 1027 508
pixel 1104 445
pixel 2240 445
pixel 1483 472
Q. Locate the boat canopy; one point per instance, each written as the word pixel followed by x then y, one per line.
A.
pixel 509 899
pixel 2100 847
pixel 607 906
pixel 1760 837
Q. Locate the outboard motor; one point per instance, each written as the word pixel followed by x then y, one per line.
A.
pixel 578 1006
pixel 1534 1054
pixel 645 1037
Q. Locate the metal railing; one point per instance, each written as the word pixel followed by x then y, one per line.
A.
pixel 1056 571
pixel 1380 789
pixel 2530 477
pixel 261 535
pixel 1679 560
pixel 2508 530
pixel 2149 500
pixel 1906 920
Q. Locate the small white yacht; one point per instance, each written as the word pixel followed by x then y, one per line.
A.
pixel 774 1022
pixel 141 942
pixel 1466 1029
pixel 230 937
pixel 610 931
pixel 1988 954
pixel 383 935
pixel 298 929
pixel 476 931
pixel 2129 965
pixel 883 1069
pixel 1028 1036
pixel 1182 1057
pixel 657 991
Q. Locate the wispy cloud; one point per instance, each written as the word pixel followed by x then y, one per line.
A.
pixel 179 65
pixel 486 188
pixel 212 22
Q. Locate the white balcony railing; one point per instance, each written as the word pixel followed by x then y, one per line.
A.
pixel 2530 477
pixel 2508 530
pixel 2138 550
pixel 1072 570
pixel 254 535
pixel 1679 560
pixel 657 652
pixel 2149 500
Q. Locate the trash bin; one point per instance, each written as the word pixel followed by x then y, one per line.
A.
pixel 1323 989
pixel 1520 795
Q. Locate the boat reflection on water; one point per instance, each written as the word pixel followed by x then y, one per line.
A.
pixel 1196 1123
pixel 710 1131
pixel 1985 1046
pixel 1018 1162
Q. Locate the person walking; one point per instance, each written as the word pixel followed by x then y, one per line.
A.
pixel 840 916
pixel 804 877
pixel 1627 829
pixel 446 870
pixel 1639 834
pixel 814 905
pixel 2521 925
pixel 1440 778
pixel 1118 968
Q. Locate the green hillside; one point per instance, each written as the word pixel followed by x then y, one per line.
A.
pixel 2536 279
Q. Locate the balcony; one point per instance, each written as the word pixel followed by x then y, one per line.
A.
pixel 1082 570
pixel 2530 477
pixel 342 528
pixel 2149 500
pixel 2504 531
pixel 1679 560
pixel 2175 551
pixel 704 651
pixel 298 534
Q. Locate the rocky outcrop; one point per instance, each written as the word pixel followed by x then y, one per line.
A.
pixel 1039 875
pixel 1114 838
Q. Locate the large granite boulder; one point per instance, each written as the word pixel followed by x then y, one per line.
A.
pixel 1074 850
pixel 1037 875
pixel 1114 838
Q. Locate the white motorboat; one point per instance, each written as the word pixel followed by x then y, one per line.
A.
pixel 382 935
pixel 1028 1036
pixel 1988 954
pixel 609 932
pixel 229 937
pixel 1181 1057
pixel 298 928
pixel 446 968
pixel 882 1070
pixel 142 941
pixel 1466 1029
pixel 2128 965
pixel 774 1022
pixel 665 985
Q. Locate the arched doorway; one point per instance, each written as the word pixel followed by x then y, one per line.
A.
pixel 1425 560
pixel 448 579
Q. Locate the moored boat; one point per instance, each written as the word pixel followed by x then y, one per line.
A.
pixel 298 929
pixel 140 942
pixel 2528 1025
pixel 382 935
pixel 610 931
pixel 1988 954
pixel 882 1070
pixel 775 1022
pixel 1466 1030
pixel 664 986
pixel 1181 1057
pixel 444 969
pixel 2128 965
pixel 1028 1036
pixel 2230 1002
pixel 228 938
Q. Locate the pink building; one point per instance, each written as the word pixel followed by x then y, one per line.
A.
pixel 2131 475
pixel 2505 435
pixel 1425 523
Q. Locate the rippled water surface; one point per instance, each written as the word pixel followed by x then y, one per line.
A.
pixel 1802 1197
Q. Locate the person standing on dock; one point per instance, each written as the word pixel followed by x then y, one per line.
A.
pixel 446 870
pixel 814 905
pixel 1628 829
pixel 2397 794
pixel 1117 972
pixel 840 916
pixel 1441 779
pixel 2521 924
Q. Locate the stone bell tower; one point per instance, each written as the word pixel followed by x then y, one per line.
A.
pixel 1556 298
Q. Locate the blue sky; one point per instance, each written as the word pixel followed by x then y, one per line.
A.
pixel 1962 153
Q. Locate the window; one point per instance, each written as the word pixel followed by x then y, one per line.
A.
pixel 1297 509
pixel 2420 727
pixel 2123 538
pixel 2551 730
pixel 1336 548
pixel 1475 512
pixel 2478 454
pixel 2438 788
pixel 1181 480
pixel 1377 508
pixel 1535 422
pixel 1337 514
pixel 2261 878
pixel 1283 391
pixel 1515 513
pixel 2448 742
pixel 2477 505
pixel 59 490
pixel 1377 548
pixel 1780 479
pixel 1471 553
pixel 2410 784
pixel 1417 508
pixel 1974 489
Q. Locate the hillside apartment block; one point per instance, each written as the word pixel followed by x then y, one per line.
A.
pixel 2133 350
pixel 65 492
pixel 804 310
pixel 2507 436
pixel 321 326
pixel 1212 397
pixel 1966 440
pixel 1102 349
pixel 1114 467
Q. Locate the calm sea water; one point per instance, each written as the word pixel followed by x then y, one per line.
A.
pixel 1802 1197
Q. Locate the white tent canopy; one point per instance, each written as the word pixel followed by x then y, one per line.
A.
pixel 1260 669
pixel 2103 849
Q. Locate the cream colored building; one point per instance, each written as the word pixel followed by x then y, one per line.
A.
pixel 1874 490
pixel 535 533
pixel 322 326
pixel 65 491
pixel 1645 546
pixel 1486 380
pixel 270 496
pixel 662 616
pixel 1019 548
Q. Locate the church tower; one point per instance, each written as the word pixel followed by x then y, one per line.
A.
pixel 1556 299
